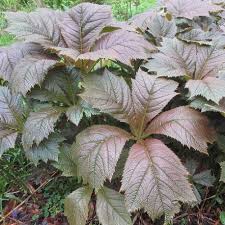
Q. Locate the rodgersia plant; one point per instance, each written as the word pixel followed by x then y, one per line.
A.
pixel 80 76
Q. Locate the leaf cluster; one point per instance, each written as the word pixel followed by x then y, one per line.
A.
pixel 126 86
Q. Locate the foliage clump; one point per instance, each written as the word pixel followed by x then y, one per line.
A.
pixel 82 89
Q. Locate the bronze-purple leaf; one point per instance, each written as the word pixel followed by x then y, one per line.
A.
pixel 176 58
pixel 10 56
pixel 189 8
pixel 98 148
pixel 110 94
pixel 41 26
pixel 201 64
pixel 155 179
pixel 143 20
pixel 10 115
pixel 8 137
pixel 120 45
pixel 150 95
pixel 186 125
pixel 29 72
pixel 210 88
pixel 83 23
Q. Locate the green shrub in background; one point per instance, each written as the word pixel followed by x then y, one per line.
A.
pixel 122 9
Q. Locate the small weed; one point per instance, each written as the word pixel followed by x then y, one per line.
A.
pixel 6 39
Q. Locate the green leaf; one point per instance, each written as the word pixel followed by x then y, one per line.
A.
pixel 75 114
pixel 191 166
pixel 222 217
pixel 204 178
pixel 205 106
pixel 67 162
pixel 64 83
pixel 111 208
pixel 48 149
pixel 76 206
pixel 197 194
pixel 221 142
pixel 222 175
pixel 39 125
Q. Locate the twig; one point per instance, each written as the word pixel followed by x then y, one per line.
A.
pixel 26 199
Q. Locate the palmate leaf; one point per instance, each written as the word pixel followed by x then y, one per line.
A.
pixel 48 149
pixel 39 125
pixel 110 94
pixel 98 148
pixel 222 175
pixel 10 56
pixel 177 58
pixel 41 26
pixel 111 208
pixel 199 63
pixel 29 72
pixel 189 8
pixel 186 125
pixel 76 206
pixel 83 23
pixel 155 179
pixel 120 45
pixel 150 95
